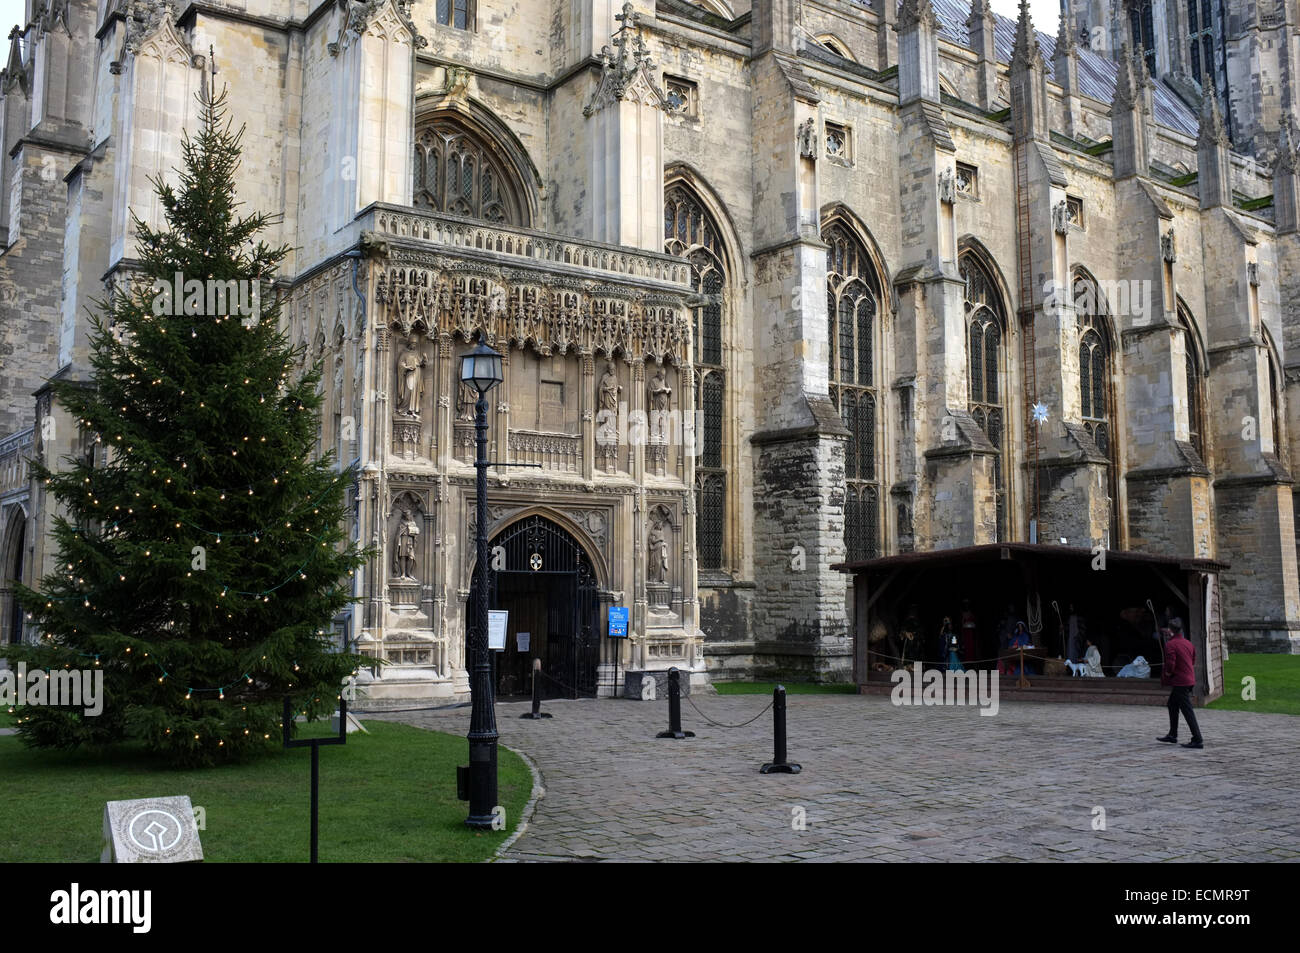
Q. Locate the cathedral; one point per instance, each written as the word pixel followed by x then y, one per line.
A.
pixel 779 288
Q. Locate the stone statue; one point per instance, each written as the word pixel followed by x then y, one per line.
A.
pixel 808 139
pixel 658 569
pixel 404 552
pixel 660 401
pixel 410 382
pixel 609 389
pixel 466 398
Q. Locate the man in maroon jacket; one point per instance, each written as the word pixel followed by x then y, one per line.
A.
pixel 1180 674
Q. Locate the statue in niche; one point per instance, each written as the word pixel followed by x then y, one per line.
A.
pixel 404 552
pixel 410 379
pixel 658 543
pixel 660 402
pixel 466 398
pixel 610 389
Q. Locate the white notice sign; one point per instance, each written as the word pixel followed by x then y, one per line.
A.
pixel 523 640
pixel 497 630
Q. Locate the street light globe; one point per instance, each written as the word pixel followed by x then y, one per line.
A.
pixel 481 368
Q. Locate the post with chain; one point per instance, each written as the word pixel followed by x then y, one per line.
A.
pixel 779 764
pixel 675 708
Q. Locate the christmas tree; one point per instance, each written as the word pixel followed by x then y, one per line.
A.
pixel 203 555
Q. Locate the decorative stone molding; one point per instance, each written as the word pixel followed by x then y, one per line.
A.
pixel 947 187
pixel 626 70
pixel 388 18
pixel 1286 160
pixel 549 319
pixel 915 12
pixel 151 23
pixel 808 139
pixel 1061 217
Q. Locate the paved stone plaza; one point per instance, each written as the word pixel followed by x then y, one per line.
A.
pixel 899 784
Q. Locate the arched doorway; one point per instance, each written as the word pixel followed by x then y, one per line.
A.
pixel 11 571
pixel 546 582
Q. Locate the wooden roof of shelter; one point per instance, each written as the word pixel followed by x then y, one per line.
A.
pixel 996 551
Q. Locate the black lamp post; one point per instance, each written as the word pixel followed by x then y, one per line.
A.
pixel 481 368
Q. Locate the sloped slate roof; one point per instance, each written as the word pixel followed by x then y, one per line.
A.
pixel 1096 73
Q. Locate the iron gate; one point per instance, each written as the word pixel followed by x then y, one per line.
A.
pixel 537 547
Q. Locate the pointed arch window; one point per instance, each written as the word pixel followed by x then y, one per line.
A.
pixel 1201 29
pixel 1095 374
pixel 1142 32
pixel 852 307
pixel 986 380
pixel 1195 373
pixel 690 233
pixel 1274 398
pixel 460 172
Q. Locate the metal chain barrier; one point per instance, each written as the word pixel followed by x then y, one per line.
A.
pixel 718 724
pixel 567 687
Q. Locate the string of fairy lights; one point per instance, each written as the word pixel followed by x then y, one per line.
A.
pixel 223 494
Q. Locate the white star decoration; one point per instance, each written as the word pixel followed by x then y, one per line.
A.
pixel 1040 413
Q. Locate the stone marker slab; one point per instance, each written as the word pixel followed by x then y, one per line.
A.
pixel 152 830
pixel 353 724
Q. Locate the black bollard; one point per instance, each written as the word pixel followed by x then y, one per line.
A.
pixel 778 764
pixel 675 708
pixel 537 694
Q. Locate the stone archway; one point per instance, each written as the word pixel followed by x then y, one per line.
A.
pixel 13 546
pixel 544 578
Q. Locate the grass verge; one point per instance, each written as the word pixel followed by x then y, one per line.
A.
pixel 386 796
pixel 1276 687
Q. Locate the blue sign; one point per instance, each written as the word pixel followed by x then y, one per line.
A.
pixel 618 622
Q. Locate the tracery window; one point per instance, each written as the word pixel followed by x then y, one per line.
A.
pixel 1275 407
pixel 1142 32
pixel 690 233
pixel 1195 383
pixel 459 172
pixel 1200 42
pixel 456 13
pixel 985 337
pixel 1094 383
pixel 852 305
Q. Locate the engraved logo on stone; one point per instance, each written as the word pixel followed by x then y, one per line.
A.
pixel 154 831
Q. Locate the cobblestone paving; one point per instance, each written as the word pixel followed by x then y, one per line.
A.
pixel 890 783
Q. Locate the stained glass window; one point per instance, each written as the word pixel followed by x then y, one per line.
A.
pixel 985 317
pixel 1195 431
pixel 458 172
pixel 689 233
pixel 852 307
pixel 1095 370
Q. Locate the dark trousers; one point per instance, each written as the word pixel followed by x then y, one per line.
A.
pixel 1180 699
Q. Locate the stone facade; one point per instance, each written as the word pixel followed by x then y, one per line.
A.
pixel 777 288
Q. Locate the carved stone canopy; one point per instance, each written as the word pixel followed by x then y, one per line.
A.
pixel 551 319
pixel 627 69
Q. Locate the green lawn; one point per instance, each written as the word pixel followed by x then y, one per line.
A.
pixel 1277 684
pixel 791 688
pixel 389 795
